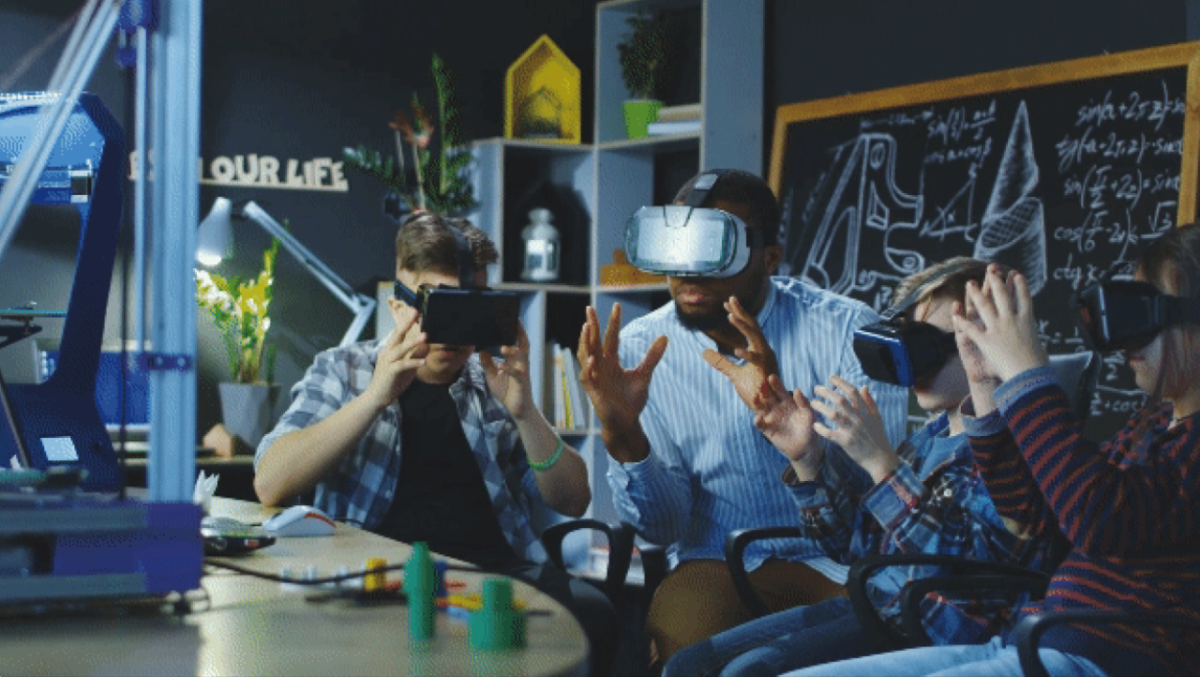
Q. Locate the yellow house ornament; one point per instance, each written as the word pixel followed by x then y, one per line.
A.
pixel 541 95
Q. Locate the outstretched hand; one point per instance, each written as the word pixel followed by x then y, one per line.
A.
pixel 981 376
pixel 998 321
pixel 509 380
pixel 618 395
pixel 750 378
pixel 787 423
pixel 975 365
pixel 853 422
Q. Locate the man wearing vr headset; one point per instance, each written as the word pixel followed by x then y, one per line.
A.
pixel 688 466
pixel 429 442
pixel 926 496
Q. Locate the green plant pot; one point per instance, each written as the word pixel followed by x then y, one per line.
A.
pixel 639 113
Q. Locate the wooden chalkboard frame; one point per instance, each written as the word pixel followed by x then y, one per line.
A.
pixel 1122 63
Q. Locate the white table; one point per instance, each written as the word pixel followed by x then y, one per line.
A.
pixel 251 626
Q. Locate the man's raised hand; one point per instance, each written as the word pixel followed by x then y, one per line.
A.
pixel 618 395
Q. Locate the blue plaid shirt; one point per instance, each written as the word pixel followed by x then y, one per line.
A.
pixel 935 502
pixel 361 488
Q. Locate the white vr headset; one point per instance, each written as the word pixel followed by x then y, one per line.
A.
pixel 688 240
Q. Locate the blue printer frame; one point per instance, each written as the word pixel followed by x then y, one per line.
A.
pixel 67 545
pixel 58 419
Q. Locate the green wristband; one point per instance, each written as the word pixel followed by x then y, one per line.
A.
pixel 549 463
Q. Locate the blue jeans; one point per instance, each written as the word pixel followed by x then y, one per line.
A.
pixel 791 639
pixel 993 659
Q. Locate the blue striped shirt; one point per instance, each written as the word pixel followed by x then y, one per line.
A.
pixel 710 471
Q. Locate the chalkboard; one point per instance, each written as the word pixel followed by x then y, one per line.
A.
pixel 1064 171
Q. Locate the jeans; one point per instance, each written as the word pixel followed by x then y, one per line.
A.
pixel 993 659
pixel 698 601
pixel 788 640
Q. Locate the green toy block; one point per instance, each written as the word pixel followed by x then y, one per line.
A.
pixel 497 626
pixel 420 586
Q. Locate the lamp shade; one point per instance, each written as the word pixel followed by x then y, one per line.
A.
pixel 214 241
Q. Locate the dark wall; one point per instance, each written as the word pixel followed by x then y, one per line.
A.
pixel 299 80
pixel 303 79
pixel 824 49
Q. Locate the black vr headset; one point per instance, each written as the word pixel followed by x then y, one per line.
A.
pixel 465 315
pixel 1127 315
pixel 901 351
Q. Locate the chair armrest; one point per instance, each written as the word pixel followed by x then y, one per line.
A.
pixel 654 566
pixel 735 548
pixel 886 636
pixel 1029 630
pixel 915 591
pixel 620 549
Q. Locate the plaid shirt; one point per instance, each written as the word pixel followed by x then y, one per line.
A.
pixel 361 488
pixel 935 502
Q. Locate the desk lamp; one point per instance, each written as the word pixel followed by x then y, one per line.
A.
pixel 214 242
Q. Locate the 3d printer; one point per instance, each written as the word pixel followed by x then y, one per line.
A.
pixel 66 543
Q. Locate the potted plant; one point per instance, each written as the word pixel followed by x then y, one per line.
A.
pixel 241 311
pixel 647 56
pixel 442 183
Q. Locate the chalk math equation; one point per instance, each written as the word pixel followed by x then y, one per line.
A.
pixel 1066 185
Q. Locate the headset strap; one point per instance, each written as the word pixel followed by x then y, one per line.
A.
pixel 466 259
pixel 1180 310
pixel 702 186
pixel 915 295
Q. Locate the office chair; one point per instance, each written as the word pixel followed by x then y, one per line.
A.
pixel 1030 629
pixel 1028 632
pixel 886 637
pixel 620 549
pixel 1077 373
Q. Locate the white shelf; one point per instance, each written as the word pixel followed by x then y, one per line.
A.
pixel 644 5
pixel 549 287
pixel 631 288
pixel 613 176
pixel 533 144
pixel 655 144
pixel 577 432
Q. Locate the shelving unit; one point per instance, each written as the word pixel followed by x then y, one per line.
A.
pixel 614 176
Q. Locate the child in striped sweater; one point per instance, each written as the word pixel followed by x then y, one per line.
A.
pixel 1129 507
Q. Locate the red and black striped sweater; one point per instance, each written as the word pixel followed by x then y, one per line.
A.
pixel 1130 509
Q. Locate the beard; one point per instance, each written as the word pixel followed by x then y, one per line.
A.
pixel 703 321
pixel 747 292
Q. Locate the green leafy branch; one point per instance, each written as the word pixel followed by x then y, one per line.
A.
pixel 442 183
pixel 649 53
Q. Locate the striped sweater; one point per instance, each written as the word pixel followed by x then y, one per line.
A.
pixel 1124 506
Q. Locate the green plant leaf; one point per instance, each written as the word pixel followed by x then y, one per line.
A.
pixel 442 164
pixel 649 53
